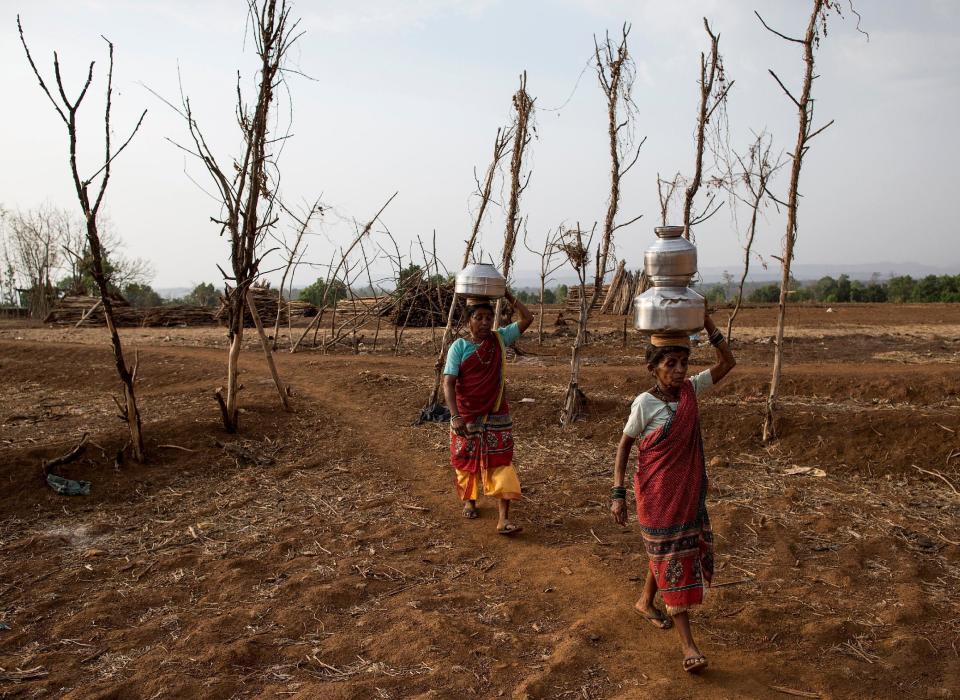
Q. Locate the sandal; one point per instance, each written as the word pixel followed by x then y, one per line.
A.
pixel 509 529
pixel 470 512
pixel 659 620
pixel 694 664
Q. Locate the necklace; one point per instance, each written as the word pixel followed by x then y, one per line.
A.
pixel 480 352
pixel 660 394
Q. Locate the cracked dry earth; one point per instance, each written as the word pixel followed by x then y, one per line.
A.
pixel 321 553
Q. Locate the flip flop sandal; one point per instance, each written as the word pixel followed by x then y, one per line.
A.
pixel 660 620
pixel 509 530
pixel 470 513
pixel 694 664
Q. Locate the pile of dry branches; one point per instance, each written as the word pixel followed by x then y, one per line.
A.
pixel 268 306
pixel 359 305
pixel 624 286
pixel 421 302
pixel 87 311
pixel 71 309
pixel 573 296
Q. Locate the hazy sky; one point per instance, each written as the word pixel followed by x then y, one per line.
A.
pixel 407 95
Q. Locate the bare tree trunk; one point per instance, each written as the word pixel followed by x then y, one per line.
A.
pixel 543 290
pixel 578 253
pixel 708 71
pixel 485 191
pixel 615 72
pixel 246 188
pixel 746 269
pixel 550 246
pixel 268 352
pixel 67 111
pixel 804 108
pixel 229 408
pixel 666 196
pixel 574 397
pixel 288 268
pixel 523 106
pixel 756 174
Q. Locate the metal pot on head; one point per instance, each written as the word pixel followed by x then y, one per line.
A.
pixel 480 281
pixel 668 310
pixel 672 260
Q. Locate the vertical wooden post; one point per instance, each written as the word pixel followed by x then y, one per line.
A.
pixel 267 351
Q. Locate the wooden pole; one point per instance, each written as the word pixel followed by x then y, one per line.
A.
pixel 88 312
pixel 267 351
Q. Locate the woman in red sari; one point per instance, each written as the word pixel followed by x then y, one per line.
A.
pixel 481 430
pixel 671 484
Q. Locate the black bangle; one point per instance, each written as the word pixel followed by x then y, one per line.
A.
pixel 618 492
pixel 716 338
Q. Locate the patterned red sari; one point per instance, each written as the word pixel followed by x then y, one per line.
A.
pixel 483 406
pixel 671 490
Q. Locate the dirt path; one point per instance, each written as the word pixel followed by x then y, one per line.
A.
pixel 327 556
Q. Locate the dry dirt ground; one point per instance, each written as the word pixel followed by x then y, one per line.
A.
pixel 327 558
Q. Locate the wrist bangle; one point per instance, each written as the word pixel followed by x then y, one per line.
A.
pixel 618 492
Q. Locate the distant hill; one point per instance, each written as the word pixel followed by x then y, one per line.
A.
pixel 173 292
pixel 856 271
pixel 802 272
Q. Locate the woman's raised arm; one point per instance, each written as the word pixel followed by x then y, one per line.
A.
pixel 725 359
pixel 526 318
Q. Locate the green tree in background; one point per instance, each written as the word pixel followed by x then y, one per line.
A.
pixel 767 294
pixel 141 295
pixel 825 289
pixel 314 293
pixel 204 294
pixel 900 289
pixel 843 289
pixel 715 293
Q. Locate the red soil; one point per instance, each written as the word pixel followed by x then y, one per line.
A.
pixel 332 561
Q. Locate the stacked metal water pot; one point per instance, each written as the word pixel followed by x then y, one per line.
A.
pixel 669 307
pixel 480 282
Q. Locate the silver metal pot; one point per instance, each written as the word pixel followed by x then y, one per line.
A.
pixel 672 260
pixel 663 309
pixel 480 280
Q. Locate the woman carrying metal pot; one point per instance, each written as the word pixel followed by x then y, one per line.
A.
pixel 481 430
pixel 670 484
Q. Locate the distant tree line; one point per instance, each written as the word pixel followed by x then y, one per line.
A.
pixel 902 289
pixel 557 295
pixel 44 254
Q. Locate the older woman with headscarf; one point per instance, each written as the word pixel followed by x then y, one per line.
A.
pixel 481 430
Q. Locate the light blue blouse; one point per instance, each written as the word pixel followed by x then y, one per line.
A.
pixel 461 348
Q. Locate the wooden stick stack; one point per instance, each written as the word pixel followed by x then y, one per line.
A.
pixel 624 286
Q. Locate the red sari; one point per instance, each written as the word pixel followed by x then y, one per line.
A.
pixel 484 456
pixel 671 491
